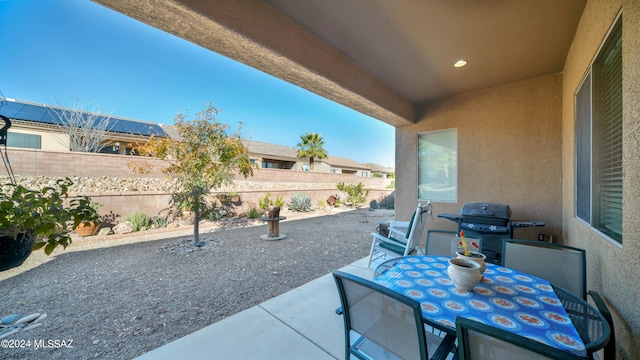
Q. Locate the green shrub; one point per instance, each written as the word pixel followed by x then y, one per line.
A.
pixel 392 184
pixel 300 202
pixel 158 222
pixel 253 213
pixel 265 202
pixel 388 202
pixel 213 212
pixel 279 201
pixel 374 205
pixel 140 221
pixel 356 194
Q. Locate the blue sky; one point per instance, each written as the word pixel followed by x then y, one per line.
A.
pixel 68 51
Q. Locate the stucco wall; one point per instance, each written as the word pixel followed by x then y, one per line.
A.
pixel 612 271
pixel 509 143
pixel 50 140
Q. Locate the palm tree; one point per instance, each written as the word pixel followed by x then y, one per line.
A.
pixel 310 147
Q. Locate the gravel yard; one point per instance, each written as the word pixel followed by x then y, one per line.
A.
pixel 120 298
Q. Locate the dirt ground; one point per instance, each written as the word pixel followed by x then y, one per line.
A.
pixel 120 297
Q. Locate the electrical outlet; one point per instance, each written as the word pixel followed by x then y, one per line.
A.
pixel 545 237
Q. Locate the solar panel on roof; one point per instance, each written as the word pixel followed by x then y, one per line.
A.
pixel 47 115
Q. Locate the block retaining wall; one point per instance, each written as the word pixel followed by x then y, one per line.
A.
pixel 282 183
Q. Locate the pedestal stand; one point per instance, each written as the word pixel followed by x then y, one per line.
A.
pixel 273 228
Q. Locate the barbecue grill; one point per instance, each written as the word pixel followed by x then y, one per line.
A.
pixel 490 221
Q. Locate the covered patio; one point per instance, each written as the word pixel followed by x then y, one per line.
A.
pixel 515 109
pixel 282 327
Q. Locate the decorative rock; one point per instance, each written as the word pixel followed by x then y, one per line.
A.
pixel 332 200
pixel 12 324
pixel 28 318
pixel 9 332
pixel 104 231
pixel 9 319
pixel 187 218
pixel 32 326
pixel 123 228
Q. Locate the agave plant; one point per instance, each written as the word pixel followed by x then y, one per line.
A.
pixel 300 202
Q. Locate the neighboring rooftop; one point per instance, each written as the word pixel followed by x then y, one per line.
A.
pixel 279 152
pixel 380 168
pixel 341 162
pixel 47 114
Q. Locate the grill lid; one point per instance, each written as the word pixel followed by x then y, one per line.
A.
pixel 483 209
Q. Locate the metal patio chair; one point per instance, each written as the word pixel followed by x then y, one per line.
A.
pixel 445 243
pixel 477 341
pixel 382 324
pixel 562 265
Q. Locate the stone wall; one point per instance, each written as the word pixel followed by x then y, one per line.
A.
pixel 108 180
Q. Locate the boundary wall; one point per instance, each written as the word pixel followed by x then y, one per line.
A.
pixel 277 182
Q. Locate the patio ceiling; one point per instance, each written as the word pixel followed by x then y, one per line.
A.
pixel 387 59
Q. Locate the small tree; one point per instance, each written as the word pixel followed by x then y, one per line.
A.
pixel 203 158
pixel 87 130
pixel 310 146
pixel 356 194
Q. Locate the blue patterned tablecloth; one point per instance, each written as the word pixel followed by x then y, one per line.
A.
pixel 505 298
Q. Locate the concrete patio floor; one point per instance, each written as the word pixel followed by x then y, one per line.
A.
pixel 299 323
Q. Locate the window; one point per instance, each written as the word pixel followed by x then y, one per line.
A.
pixel 110 149
pixel 598 131
pixel 131 151
pixel 438 166
pixel 277 164
pixel 20 140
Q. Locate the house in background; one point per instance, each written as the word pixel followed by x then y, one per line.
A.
pixel 38 126
pixel 381 171
pixel 521 124
pixel 272 156
pixel 340 165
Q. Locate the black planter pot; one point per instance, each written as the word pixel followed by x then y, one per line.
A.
pixel 14 251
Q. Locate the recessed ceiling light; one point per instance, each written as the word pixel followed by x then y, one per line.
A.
pixel 460 63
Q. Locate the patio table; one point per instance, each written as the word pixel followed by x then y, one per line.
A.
pixel 505 298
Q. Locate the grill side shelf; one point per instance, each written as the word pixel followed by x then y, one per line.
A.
pixel 452 217
pixel 519 224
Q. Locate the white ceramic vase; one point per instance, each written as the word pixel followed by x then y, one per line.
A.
pixel 464 273
pixel 475 256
